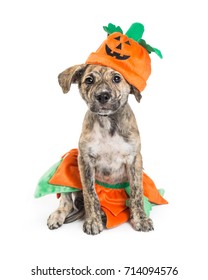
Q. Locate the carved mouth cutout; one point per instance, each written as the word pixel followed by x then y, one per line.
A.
pixel 115 54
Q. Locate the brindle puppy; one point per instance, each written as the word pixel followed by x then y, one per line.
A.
pixel 109 145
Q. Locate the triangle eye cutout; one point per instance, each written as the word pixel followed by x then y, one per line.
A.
pixel 118 38
pixel 128 43
pixel 118 47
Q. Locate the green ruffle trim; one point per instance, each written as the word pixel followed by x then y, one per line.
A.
pixel 44 187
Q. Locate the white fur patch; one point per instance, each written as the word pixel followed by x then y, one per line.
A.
pixel 110 153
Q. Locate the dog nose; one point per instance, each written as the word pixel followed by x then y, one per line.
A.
pixel 103 97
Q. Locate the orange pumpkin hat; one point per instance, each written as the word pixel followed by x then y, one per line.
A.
pixel 126 53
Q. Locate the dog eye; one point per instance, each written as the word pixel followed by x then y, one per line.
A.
pixel 89 80
pixel 116 79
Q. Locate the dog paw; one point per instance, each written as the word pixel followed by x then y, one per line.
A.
pixel 56 219
pixel 144 224
pixel 93 226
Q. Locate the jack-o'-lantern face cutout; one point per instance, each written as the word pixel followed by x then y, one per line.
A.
pixel 118 46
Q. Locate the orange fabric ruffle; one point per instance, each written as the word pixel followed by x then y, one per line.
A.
pixel 112 201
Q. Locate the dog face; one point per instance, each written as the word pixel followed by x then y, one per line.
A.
pixel 103 89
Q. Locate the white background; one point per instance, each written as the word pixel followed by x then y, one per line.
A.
pixel 39 39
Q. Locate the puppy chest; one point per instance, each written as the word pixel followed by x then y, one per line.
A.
pixel 109 151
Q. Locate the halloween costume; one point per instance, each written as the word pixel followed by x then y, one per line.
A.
pixel 129 55
pixel 64 177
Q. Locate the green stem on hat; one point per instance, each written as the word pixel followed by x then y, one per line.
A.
pixel 135 31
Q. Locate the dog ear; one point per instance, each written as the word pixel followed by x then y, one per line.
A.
pixel 136 93
pixel 70 76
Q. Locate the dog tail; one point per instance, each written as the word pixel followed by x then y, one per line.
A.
pixel 78 212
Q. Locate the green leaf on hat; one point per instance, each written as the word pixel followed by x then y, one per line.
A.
pixel 149 48
pixel 111 28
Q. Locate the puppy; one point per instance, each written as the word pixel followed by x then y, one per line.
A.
pixel 109 147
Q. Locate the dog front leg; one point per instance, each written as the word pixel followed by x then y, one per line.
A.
pixel 93 221
pixel 138 218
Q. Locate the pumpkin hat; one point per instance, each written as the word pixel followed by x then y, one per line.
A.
pixel 126 53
